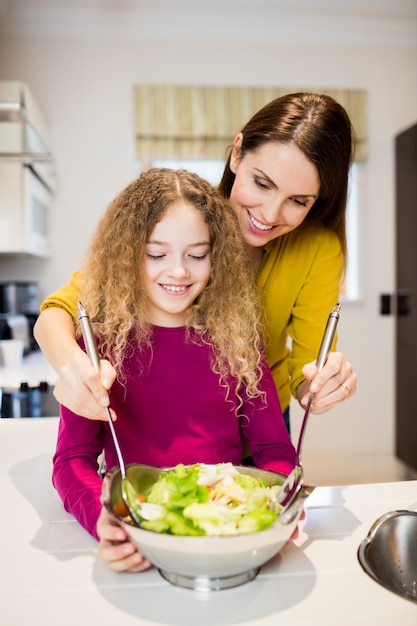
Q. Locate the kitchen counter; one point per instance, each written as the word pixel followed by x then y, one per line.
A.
pixel 34 370
pixel 50 572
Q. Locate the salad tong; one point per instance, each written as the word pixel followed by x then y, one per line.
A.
pixel 137 510
pixel 294 481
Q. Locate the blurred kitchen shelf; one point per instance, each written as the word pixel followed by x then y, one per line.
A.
pixel 346 470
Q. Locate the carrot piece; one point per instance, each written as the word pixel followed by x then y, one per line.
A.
pixel 120 509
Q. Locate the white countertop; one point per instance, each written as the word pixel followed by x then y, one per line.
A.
pixel 34 370
pixel 49 572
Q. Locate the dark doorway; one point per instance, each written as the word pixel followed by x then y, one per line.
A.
pixel 406 320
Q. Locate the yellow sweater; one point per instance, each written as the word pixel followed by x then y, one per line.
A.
pixel 299 279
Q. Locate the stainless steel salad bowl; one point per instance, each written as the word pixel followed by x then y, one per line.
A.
pixel 388 554
pixel 203 563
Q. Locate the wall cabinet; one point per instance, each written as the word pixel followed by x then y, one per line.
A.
pixel 27 173
pixel 25 205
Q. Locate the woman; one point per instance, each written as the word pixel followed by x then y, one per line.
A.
pixel 286 179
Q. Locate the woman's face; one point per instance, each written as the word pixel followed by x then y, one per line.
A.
pixel 274 189
pixel 177 264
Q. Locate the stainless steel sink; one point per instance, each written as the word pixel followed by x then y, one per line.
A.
pixel 389 552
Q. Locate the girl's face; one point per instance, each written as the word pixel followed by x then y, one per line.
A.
pixel 177 264
pixel 274 189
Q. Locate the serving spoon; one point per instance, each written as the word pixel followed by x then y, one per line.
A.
pixel 294 481
pixel 138 511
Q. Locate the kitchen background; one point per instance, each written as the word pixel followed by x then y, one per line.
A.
pixel 81 59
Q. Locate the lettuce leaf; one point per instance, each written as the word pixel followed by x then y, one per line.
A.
pixel 210 500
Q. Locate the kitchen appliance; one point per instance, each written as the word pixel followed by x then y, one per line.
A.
pixel 19 297
pixel 27 175
pixel 27 392
pixel 16 327
pixel 19 309
pixel 25 206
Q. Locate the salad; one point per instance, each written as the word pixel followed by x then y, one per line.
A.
pixel 207 500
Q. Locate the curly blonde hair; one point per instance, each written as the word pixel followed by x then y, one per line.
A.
pixel 227 314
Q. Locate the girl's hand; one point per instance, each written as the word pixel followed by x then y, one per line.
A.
pixel 79 388
pixel 295 534
pixel 116 549
pixel 334 384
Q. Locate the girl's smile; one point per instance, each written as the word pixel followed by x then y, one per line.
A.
pixel 180 289
pixel 177 264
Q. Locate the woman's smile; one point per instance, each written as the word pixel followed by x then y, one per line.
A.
pixel 257 225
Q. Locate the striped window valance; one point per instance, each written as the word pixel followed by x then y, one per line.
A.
pixel 194 122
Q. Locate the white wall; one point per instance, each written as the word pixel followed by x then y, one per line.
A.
pixel 84 87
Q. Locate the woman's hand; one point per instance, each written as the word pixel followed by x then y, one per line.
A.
pixel 81 389
pixel 334 384
pixel 78 386
pixel 116 549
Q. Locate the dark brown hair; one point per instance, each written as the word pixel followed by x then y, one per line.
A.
pixel 321 128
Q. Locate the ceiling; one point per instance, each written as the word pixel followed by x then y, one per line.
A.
pixel 361 21
pixel 387 7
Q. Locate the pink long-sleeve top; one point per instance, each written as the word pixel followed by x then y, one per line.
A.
pixel 171 409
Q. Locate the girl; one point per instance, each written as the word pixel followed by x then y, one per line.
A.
pixel 172 299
